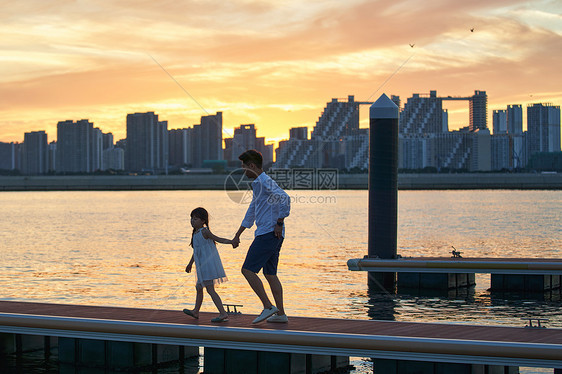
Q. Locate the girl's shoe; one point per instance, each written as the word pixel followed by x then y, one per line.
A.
pixel 190 313
pixel 220 319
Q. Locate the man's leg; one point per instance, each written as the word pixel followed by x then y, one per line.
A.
pixel 277 291
pixel 257 285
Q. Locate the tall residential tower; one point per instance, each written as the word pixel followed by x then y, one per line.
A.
pixel 543 128
pixel 147 143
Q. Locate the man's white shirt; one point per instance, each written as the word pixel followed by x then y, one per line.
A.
pixel 269 203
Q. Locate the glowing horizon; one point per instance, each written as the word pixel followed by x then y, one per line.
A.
pixel 269 63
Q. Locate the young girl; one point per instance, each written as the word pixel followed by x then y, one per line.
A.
pixel 208 264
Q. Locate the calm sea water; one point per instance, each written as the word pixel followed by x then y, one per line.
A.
pixel 131 248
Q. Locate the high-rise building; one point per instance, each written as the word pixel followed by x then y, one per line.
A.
pixel 514 119
pixel 519 150
pixel 147 143
pixel 211 137
pixel 478 111
pixel 8 156
pixel 52 156
pixel 481 159
pixel 267 151
pixel 245 137
pixel 501 148
pixel 445 123
pixel 423 114
pixel 327 145
pixel 339 119
pixel 79 147
pixel 425 139
pixel 543 128
pixel 300 133
pixel 35 156
pixel 396 100
pixel 179 142
pixel 113 159
pixel 97 149
pixel 357 150
pixel 107 141
pixel 415 151
pixel 456 150
pixel 206 140
pixel 499 122
pixel 292 153
pixel 507 141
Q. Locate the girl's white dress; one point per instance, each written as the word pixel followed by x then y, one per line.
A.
pixel 208 263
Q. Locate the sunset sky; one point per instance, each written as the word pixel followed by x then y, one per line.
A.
pixel 271 63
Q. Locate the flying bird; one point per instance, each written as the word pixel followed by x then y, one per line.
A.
pixel 472 29
pixel 412 45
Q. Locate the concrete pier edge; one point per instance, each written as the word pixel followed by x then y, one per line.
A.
pixel 462 181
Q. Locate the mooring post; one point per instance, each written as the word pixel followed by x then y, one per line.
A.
pixel 383 185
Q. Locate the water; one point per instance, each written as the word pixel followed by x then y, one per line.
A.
pixel 130 249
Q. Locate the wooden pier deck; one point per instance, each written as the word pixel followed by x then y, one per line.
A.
pixel 538 266
pixel 438 342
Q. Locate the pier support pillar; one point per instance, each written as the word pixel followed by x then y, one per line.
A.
pixel 18 343
pixel 236 361
pixel 119 355
pixel 434 281
pixel 384 366
pixel 7 343
pixel 524 283
pixel 383 187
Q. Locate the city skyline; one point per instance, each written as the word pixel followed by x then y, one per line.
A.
pixel 336 141
pixel 231 128
pixel 265 63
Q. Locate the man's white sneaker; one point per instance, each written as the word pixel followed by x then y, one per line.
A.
pixel 266 313
pixel 278 319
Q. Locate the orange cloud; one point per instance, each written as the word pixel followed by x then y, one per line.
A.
pixel 269 63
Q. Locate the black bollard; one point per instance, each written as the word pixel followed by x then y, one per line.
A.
pixel 383 187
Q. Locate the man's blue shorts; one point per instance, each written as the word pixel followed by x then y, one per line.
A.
pixel 263 253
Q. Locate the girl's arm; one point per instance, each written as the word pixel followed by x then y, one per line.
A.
pixel 189 266
pixel 207 234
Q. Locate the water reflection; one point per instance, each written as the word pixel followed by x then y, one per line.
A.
pixel 130 249
pixel 460 306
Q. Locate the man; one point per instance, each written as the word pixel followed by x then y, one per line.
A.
pixel 268 209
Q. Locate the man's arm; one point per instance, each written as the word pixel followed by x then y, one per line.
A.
pixel 278 230
pixel 250 216
pixel 283 201
pixel 236 240
pixel 247 222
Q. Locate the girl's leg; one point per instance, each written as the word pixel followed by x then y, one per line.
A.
pixel 216 299
pixel 198 300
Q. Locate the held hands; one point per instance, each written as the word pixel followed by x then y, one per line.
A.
pixel 235 242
